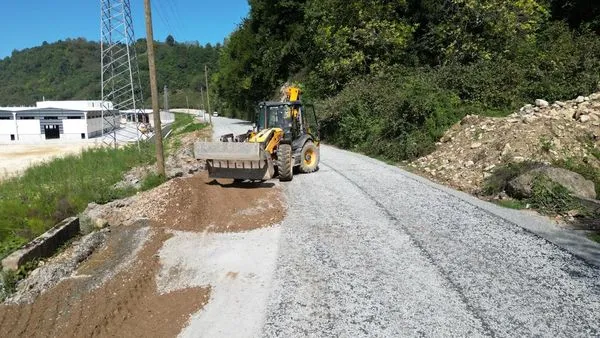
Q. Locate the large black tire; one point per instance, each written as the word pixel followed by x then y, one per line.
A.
pixel 286 165
pixel 309 158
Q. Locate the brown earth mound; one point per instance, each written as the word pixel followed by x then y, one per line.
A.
pixel 202 204
pixel 473 148
pixel 126 305
pixel 198 203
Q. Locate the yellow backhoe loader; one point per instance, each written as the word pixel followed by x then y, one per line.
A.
pixel 282 139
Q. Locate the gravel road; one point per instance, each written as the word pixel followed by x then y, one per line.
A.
pixel 368 249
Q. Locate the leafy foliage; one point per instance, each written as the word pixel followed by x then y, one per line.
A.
pixel 391 75
pixel 394 116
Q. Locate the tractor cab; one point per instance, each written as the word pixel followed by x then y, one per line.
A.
pixel 291 117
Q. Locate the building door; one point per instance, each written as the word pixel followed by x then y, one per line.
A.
pixel 51 131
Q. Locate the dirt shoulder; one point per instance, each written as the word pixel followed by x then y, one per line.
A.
pixel 113 292
pixel 125 304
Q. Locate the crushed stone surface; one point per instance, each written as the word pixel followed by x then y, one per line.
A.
pixel 238 267
pixel 376 251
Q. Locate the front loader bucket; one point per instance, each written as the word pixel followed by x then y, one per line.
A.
pixel 238 160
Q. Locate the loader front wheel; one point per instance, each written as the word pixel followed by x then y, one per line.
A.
pixel 286 166
pixel 310 158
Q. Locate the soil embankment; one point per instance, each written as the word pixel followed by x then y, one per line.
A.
pixel 114 291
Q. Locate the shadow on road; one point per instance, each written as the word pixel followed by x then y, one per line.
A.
pixel 242 123
pixel 243 185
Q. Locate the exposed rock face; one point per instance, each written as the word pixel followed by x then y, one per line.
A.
pixel 521 186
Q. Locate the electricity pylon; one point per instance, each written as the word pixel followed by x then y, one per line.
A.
pixel 122 100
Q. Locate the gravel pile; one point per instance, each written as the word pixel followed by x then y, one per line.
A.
pixel 473 148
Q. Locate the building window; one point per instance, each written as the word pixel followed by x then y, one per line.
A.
pixel 50 117
pixel 5 118
pixel 12 137
pixel 26 118
pixel 73 117
pixel 83 136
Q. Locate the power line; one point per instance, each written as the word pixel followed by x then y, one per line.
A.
pixel 165 13
pixel 174 8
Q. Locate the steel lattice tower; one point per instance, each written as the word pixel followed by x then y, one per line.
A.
pixel 120 78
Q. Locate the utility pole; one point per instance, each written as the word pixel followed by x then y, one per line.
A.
pixel 207 95
pixel 201 98
pixel 187 102
pixel 166 99
pixel 160 156
pixel 202 103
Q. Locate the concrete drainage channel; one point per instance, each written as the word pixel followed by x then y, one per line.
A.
pixel 43 246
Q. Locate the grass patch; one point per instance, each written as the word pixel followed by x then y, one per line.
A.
pixel 550 197
pixel 50 192
pixel 547 197
pixel 595 237
pixel 10 278
pixel 152 180
pixel 186 123
pixel 595 152
pixel 511 203
pixel 546 145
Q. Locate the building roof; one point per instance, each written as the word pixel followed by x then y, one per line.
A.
pixel 67 106
pixel 15 109
pixel 81 105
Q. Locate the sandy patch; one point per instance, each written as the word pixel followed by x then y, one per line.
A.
pixel 15 158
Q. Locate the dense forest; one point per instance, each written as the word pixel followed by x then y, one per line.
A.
pixel 390 76
pixel 70 70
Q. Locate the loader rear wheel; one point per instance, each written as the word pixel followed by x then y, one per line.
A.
pixel 286 167
pixel 309 160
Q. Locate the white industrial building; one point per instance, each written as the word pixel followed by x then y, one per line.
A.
pixel 66 120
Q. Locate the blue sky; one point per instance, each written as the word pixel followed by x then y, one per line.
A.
pixel 27 24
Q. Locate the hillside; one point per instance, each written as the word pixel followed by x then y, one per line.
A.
pixel 391 77
pixel 70 70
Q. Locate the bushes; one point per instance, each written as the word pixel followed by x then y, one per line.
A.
pixel 398 116
pixel 559 64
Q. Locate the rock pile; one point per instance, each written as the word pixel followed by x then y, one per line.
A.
pixel 471 149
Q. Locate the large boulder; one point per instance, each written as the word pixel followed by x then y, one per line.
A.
pixel 521 186
pixel 541 103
